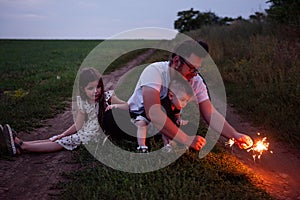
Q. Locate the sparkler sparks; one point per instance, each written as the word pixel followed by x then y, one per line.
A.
pixel 258 148
pixel 230 142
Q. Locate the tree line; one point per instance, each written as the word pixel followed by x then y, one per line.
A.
pixel 280 12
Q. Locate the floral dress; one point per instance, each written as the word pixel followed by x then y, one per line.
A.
pixel 90 129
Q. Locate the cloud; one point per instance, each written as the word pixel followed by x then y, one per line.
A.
pixel 23 3
pixel 86 4
pixel 29 16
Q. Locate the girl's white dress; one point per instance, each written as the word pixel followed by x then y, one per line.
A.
pixel 90 129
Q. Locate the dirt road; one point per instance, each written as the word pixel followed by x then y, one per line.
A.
pixel 278 170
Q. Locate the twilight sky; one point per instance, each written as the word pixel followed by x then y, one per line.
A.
pixel 101 19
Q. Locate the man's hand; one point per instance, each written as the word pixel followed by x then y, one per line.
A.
pixel 198 142
pixel 243 141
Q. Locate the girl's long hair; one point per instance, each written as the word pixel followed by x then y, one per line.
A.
pixel 102 103
pixel 86 76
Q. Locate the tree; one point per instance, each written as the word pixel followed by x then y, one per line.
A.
pixel 186 21
pixel 284 11
pixel 192 20
pixel 257 17
pixel 207 18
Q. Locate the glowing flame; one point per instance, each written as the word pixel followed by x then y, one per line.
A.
pixel 259 147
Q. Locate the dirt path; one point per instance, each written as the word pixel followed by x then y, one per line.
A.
pixel 32 176
pixel 279 171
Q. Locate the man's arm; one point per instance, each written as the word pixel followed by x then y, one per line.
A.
pixel 154 112
pixel 209 112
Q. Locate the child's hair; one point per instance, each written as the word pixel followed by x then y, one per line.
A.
pixel 180 85
pixel 86 76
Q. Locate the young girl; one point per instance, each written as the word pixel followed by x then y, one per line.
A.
pixel 92 102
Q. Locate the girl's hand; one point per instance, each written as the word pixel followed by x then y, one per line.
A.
pixel 182 122
pixel 57 137
pixel 109 107
pixel 243 141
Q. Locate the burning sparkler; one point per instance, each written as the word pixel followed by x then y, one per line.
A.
pixel 257 149
pixel 230 142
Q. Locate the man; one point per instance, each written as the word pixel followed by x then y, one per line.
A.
pixel 185 61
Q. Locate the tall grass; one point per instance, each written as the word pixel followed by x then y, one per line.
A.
pixel 260 66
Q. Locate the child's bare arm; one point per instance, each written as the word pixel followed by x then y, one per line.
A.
pixel 74 128
pixel 115 100
pixel 117 103
pixel 123 106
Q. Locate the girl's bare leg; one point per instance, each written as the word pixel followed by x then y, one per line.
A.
pixel 38 141
pixel 44 146
pixel 33 141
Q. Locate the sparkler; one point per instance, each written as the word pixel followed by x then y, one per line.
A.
pixel 257 149
pixel 230 142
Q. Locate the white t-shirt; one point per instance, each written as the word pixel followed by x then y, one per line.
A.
pixel 157 76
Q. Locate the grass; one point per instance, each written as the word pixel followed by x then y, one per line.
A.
pixel 217 176
pixel 31 91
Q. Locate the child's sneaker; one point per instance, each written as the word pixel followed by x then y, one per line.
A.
pixel 3 147
pixel 142 149
pixel 167 148
pixel 9 139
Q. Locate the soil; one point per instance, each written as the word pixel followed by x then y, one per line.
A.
pixel 34 176
pixel 279 171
